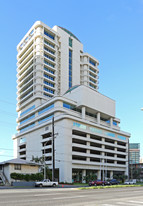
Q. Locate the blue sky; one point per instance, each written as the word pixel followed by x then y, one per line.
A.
pixel 110 30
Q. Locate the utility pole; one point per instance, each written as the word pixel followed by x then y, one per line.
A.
pixel 53 150
pixel 44 163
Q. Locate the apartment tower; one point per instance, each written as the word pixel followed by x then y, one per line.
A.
pixel 55 78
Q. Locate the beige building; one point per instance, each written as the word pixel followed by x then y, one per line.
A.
pixel 17 166
pixel 57 79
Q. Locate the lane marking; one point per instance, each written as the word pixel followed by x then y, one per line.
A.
pixel 133 201
pixel 61 198
pixel 107 205
pixel 38 195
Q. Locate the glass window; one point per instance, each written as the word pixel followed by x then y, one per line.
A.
pixel 27 127
pixel 70 68
pixel 70 42
pixel 45 119
pixel 51 45
pixel 27 110
pixel 27 119
pixel 51 65
pixel 48 90
pixel 46 109
pixel 92 62
pixel 17 167
pixel 22 140
pixel 49 34
pixel 48 70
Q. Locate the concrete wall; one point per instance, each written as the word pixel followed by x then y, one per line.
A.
pixel 94 101
pixel 76 48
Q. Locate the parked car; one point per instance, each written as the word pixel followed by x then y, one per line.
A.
pixel 46 183
pixel 107 183
pixel 130 182
pixel 96 183
pixel 114 182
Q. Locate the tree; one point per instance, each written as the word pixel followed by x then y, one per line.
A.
pixel 90 177
pixel 41 160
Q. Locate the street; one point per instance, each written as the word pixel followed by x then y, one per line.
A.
pixel 132 196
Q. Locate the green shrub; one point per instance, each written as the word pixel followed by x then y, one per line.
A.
pixel 27 177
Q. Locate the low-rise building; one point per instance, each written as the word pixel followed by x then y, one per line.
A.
pixel 17 166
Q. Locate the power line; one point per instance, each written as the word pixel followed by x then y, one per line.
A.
pixel 5 101
pixel 7 123
pixel 8 113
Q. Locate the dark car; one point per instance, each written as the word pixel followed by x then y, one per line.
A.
pixel 114 182
pixel 96 183
pixel 107 183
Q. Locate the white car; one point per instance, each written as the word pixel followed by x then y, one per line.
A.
pixel 130 182
pixel 46 183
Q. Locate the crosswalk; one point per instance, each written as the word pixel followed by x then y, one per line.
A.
pixel 125 203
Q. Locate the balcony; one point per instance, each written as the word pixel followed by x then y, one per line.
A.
pixel 25 62
pixel 26 54
pixel 25 85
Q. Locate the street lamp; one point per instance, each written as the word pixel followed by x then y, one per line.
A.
pixel 45 156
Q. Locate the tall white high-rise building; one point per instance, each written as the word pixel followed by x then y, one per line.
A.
pixel 50 61
pixel 56 78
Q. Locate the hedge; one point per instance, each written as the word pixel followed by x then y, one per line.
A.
pixel 27 177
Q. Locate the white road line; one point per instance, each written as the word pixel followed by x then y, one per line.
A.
pixel 61 198
pixel 128 203
pixel 107 205
pixel 38 195
pixel 132 201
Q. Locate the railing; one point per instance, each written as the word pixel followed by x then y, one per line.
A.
pixel 3 177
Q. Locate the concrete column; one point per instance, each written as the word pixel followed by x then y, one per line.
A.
pixel 83 112
pixel 98 118
pixel 111 174
pixel 88 152
pixel 99 174
pixel 111 122
pixel 58 104
pixel 127 170
pixel 83 175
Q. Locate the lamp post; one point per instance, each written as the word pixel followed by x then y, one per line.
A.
pixel 44 162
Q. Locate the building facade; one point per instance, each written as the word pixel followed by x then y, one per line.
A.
pixel 134 153
pixel 17 166
pixel 56 78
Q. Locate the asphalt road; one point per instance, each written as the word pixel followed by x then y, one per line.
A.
pixel 69 197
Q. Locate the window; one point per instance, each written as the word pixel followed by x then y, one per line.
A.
pixel 48 70
pixel 22 140
pixel 49 84
pixel 17 167
pixel 92 62
pixel 27 127
pixel 51 65
pixel 51 45
pixel 27 119
pixel 47 56
pixel 49 50
pixel 29 109
pixel 49 77
pixel 45 119
pixel 72 107
pixel 70 42
pixel 70 68
pixel 49 35
pixel 46 109
pixel 48 90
